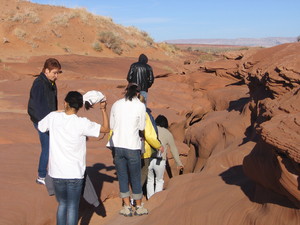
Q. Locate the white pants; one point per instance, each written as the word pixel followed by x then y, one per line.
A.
pixel 159 171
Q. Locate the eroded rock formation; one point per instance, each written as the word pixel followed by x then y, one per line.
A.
pixel 274 89
pixel 247 137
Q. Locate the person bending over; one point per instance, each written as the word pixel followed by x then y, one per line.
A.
pixel 158 165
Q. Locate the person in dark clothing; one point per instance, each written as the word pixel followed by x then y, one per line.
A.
pixel 142 74
pixel 42 101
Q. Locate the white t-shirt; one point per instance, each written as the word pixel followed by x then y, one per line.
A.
pixel 67 146
pixel 126 119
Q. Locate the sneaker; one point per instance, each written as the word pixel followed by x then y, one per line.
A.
pixel 140 210
pixel 40 180
pixel 126 211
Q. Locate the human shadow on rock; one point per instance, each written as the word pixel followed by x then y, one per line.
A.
pixel 97 178
pixel 255 192
pixel 238 105
pixel 238 83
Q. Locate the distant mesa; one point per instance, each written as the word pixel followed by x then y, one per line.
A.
pixel 262 42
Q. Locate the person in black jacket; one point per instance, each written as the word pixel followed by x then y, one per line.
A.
pixel 42 101
pixel 141 73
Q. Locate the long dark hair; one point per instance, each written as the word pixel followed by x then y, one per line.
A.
pixel 74 99
pixel 131 91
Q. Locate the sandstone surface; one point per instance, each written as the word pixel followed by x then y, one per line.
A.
pixel 236 122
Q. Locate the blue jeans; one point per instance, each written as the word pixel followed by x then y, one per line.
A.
pixel 67 192
pixel 128 166
pixel 44 156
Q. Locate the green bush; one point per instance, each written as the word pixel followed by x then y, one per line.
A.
pixel 215 49
pixel 131 44
pixel 61 19
pixel 26 16
pixel 147 38
pixel 169 48
pixel 97 47
pixel 206 57
pixel 19 33
pixel 111 41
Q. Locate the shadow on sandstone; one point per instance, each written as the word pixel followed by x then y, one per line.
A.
pixel 87 210
pixel 238 105
pixel 255 193
pixel 238 83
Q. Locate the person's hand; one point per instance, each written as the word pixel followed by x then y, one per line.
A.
pixel 161 149
pixel 103 105
pixel 180 168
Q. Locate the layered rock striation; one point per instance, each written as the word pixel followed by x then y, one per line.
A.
pixel 274 83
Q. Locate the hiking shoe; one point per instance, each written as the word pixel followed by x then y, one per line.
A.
pixel 40 180
pixel 126 211
pixel 140 210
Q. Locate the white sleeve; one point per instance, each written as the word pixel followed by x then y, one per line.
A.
pixel 142 118
pixel 44 124
pixel 91 129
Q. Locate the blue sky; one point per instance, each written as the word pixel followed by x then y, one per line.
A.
pixel 192 19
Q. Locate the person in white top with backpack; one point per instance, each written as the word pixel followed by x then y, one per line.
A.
pixel 127 121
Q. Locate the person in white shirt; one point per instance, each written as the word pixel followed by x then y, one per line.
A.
pixel 127 121
pixel 67 154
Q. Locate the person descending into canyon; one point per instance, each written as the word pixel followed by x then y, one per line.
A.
pixel 127 121
pixel 67 155
pixel 42 101
pixel 158 164
pixel 141 73
pixel 151 142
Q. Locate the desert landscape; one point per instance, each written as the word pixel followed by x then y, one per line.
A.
pixel 235 116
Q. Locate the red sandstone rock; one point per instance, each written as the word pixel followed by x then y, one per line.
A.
pixel 243 165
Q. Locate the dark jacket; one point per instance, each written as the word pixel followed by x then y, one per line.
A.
pixel 43 98
pixel 141 73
